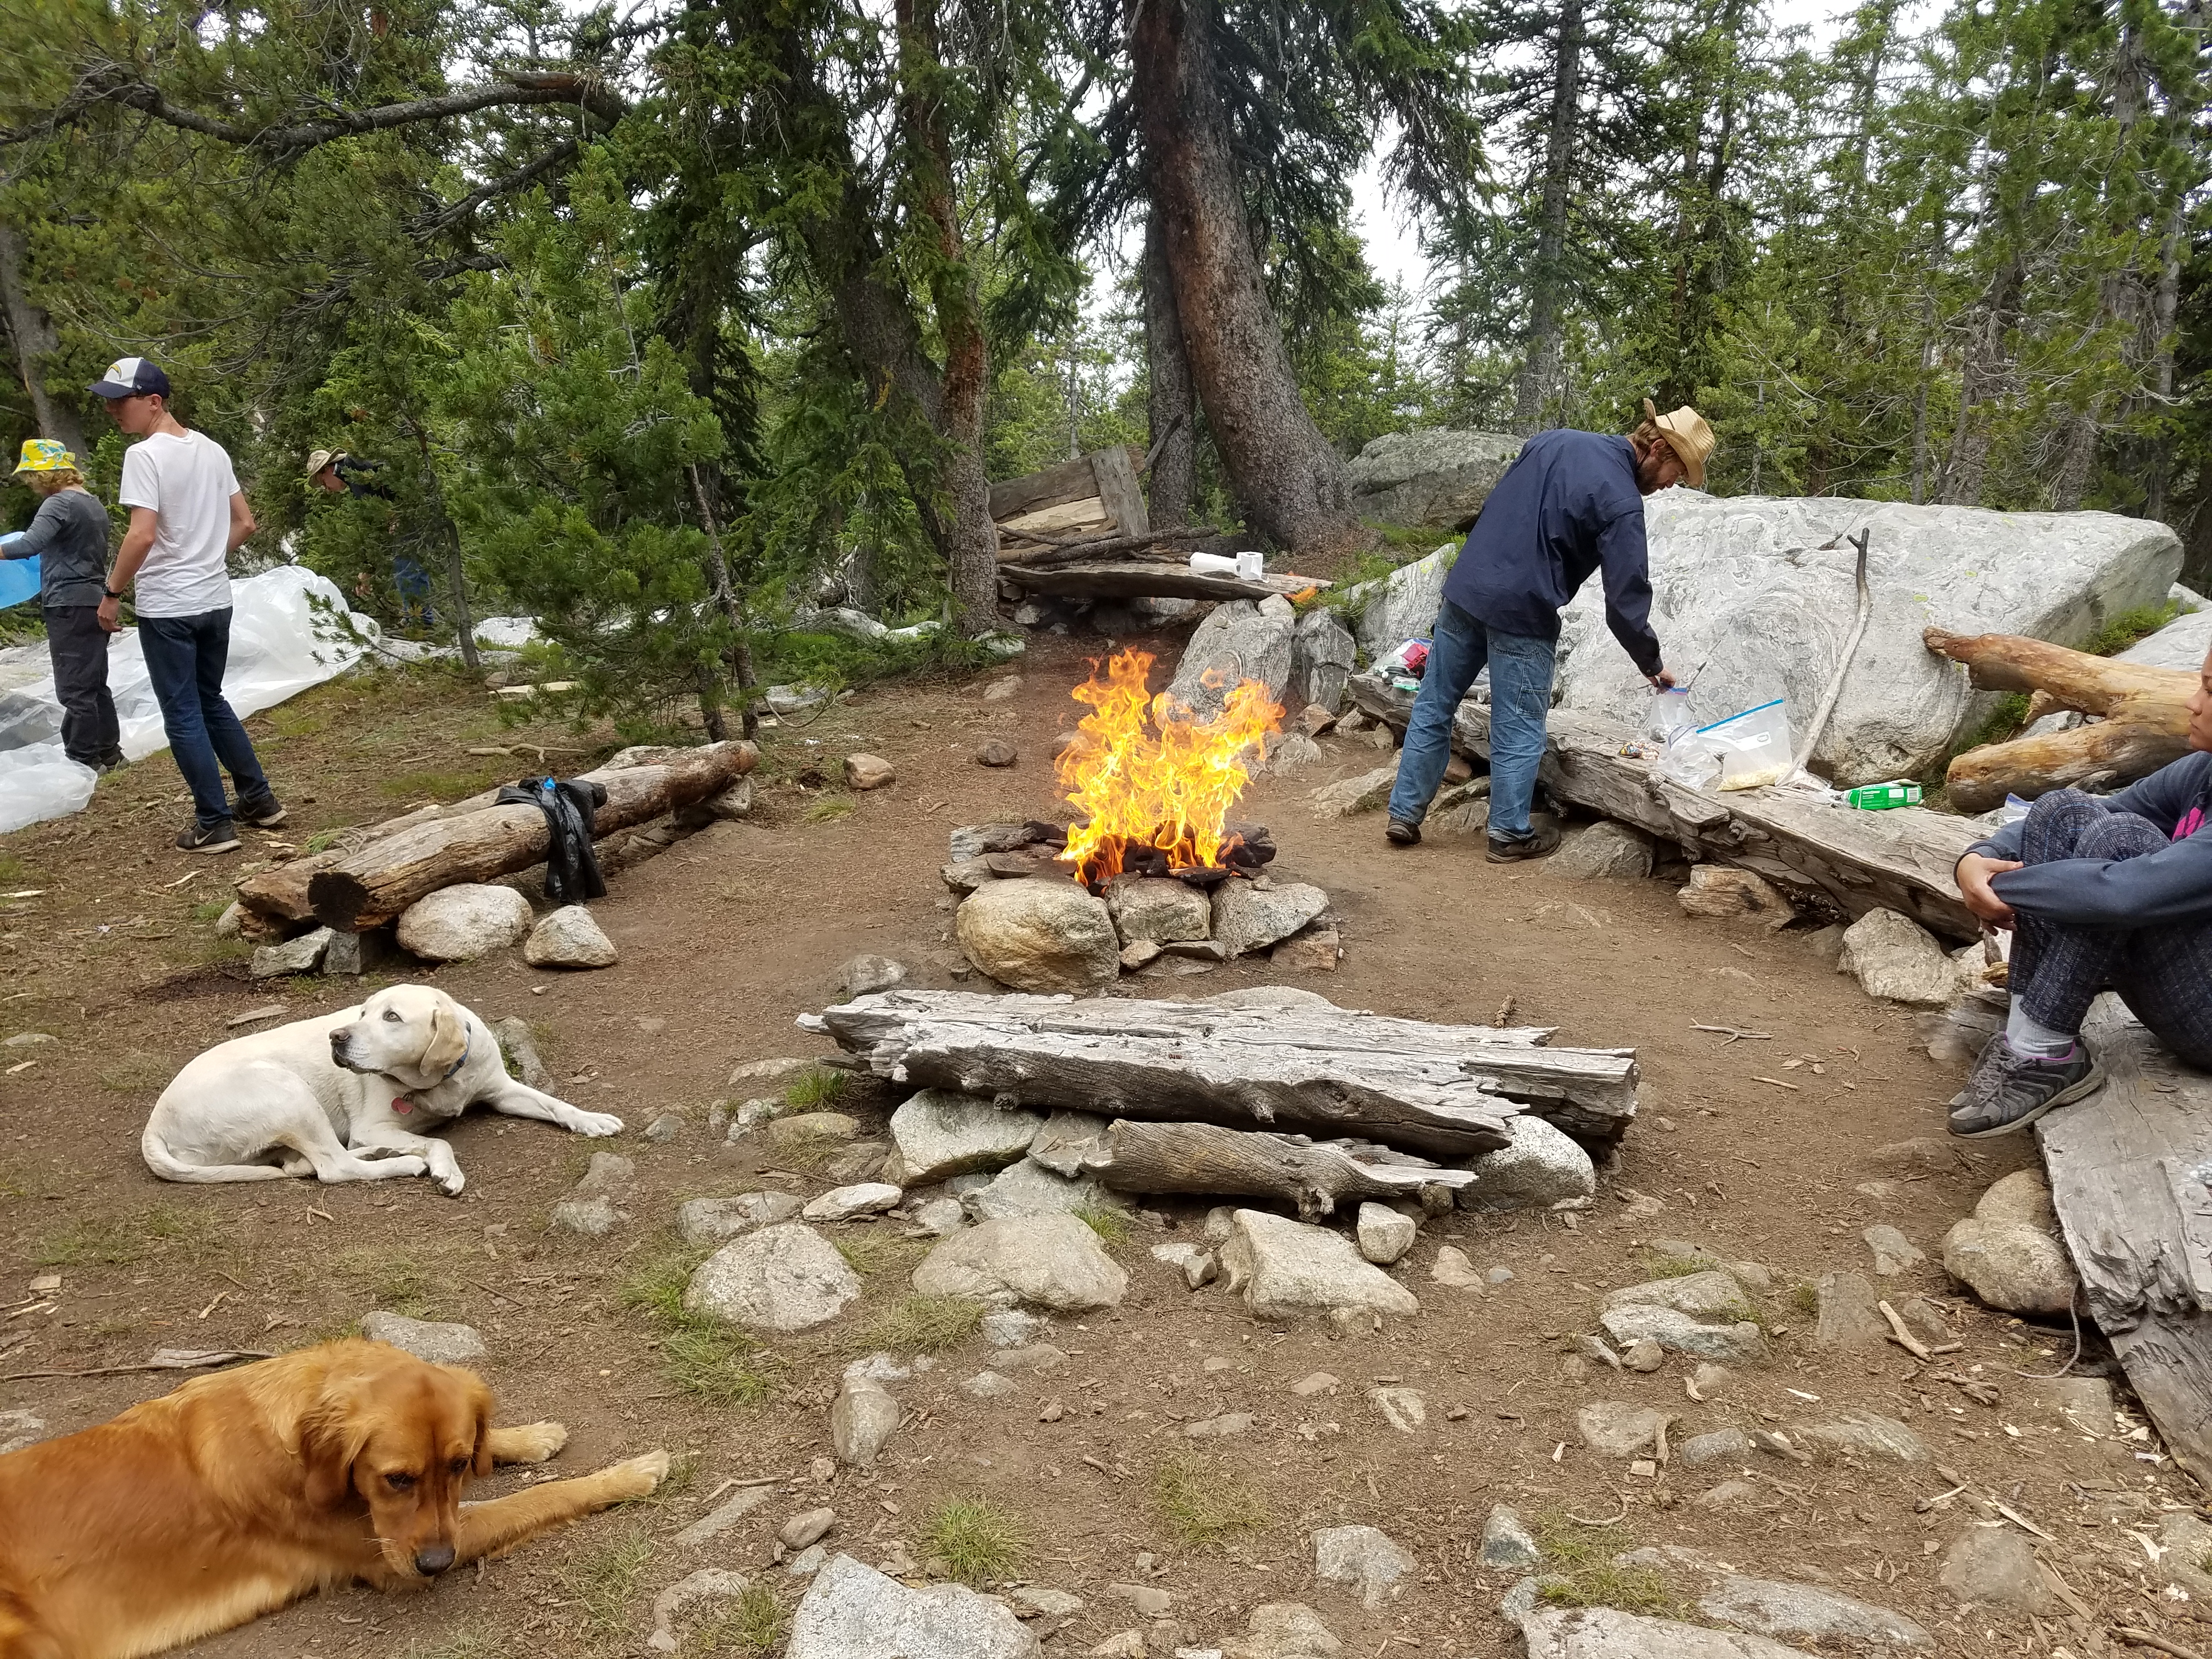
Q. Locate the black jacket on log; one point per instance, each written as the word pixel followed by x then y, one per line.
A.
pixel 572 869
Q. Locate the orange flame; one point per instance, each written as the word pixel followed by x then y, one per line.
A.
pixel 1146 771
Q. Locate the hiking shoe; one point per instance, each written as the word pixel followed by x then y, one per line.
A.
pixel 2010 1091
pixel 1540 843
pixel 196 837
pixel 263 814
pixel 1403 832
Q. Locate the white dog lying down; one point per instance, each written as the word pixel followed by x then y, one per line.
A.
pixel 344 1097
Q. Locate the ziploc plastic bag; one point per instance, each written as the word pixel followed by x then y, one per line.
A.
pixel 1754 746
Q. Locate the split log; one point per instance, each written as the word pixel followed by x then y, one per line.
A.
pixel 1204 1158
pixel 2144 719
pixel 1440 1089
pixel 372 883
pixel 1832 857
pixel 1056 486
pixel 1134 579
pixel 2126 1176
pixel 1116 472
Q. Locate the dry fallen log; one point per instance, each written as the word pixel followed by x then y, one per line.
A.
pixel 2126 1179
pixel 1091 578
pixel 2144 724
pixel 1441 1089
pixel 371 885
pixel 1832 856
pixel 1204 1158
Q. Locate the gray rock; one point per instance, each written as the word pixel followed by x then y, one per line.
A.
pixel 1925 1320
pixel 1158 909
pixel 441 1345
pixel 19 1429
pixel 1400 607
pixel 1607 1633
pixel 665 1128
pixel 1605 852
pixel 1403 1408
pixel 868 771
pixel 1430 475
pixel 1740 1344
pixel 1729 1496
pixel 458 923
pixel 1847 1317
pixel 1363 1559
pixel 808 1527
pixel 1029 1189
pixel 1285 1269
pixel 1197 1265
pixel 939 1133
pixel 724 1516
pixel 1721 1445
pixel 1895 956
pixel 811 1559
pixel 1236 641
pixel 1769 1607
pixel 988 1385
pixel 232 922
pixel 1363 794
pixel 997 751
pixel 965 877
pixel 863 1198
pixel 707 1584
pixel 1826 944
pixel 591 1209
pixel 1867 1433
pixel 1713 1296
pixel 1246 918
pixel 1991 1566
pixel 2188 1541
pixel 1038 935
pixel 1013 1327
pixel 1323 653
pixel 1283 1630
pixel 767 1071
pixel 1289 753
pixel 1763 592
pixel 303 955
pixel 1452 1269
pixel 1644 1356
pixel 1384 1234
pixel 1892 1251
pixel 863 974
pixel 1221 1427
pixel 1540 1166
pixel 862 1420
pixel 2009 1251
pixel 1506 1542
pixel 1042 1602
pixel 1051 1261
pixel 1067 1140
pixel 940 1218
pixel 852 1611
pixel 734 802
pixel 1615 1428
pixel 712 1220
pixel 569 937
pixel 783 1278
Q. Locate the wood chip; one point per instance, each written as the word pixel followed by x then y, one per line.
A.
pixel 251 1014
pixel 1779 1083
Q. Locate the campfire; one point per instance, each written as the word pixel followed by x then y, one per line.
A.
pixel 1153 785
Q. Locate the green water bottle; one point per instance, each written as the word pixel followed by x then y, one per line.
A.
pixel 1880 797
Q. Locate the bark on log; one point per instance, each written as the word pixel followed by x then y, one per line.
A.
pixel 1204 1158
pixel 371 884
pixel 2125 1178
pixel 1128 579
pixel 1436 1088
pixel 1831 856
pixel 2144 725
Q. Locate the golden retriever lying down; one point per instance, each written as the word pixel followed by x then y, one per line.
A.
pixel 240 1492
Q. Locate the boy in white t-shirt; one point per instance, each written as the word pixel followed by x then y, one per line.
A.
pixel 187 513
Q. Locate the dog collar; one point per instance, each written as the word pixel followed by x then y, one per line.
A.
pixel 401 1105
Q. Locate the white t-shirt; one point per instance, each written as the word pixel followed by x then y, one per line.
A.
pixel 188 482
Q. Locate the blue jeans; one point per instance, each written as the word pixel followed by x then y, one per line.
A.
pixel 185 659
pixel 1519 698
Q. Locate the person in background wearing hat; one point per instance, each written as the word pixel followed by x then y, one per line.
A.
pixel 342 474
pixel 69 537
pixel 187 513
pixel 1570 504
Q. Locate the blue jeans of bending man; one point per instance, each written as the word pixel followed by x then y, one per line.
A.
pixel 1520 699
pixel 184 660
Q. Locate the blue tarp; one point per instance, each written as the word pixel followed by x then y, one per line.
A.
pixel 19 580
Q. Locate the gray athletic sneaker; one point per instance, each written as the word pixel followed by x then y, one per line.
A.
pixel 2008 1091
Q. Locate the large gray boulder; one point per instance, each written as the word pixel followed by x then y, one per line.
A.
pixel 469 920
pixel 852 1611
pixel 1040 935
pixel 1323 653
pixel 1244 643
pixel 1538 1166
pixel 1760 591
pixel 1285 1269
pixel 1607 1633
pixel 1050 1260
pixel 2010 1251
pixel 784 1277
pixel 1430 476
pixel 940 1134
pixel 1400 605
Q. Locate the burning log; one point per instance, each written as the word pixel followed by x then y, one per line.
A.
pixel 1204 1158
pixel 1444 1089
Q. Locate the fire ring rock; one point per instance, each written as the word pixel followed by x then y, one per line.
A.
pixel 1246 918
pixel 1040 935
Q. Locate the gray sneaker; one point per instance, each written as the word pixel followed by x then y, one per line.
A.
pixel 2008 1091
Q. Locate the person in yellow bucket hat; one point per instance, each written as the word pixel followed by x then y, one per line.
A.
pixel 1571 505
pixel 68 539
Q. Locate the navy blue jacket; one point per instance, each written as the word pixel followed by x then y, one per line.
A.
pixel 1567 507
pixel 2170 885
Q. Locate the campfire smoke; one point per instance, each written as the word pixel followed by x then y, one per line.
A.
pixel 1152 783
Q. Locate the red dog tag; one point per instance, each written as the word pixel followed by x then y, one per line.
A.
pixel 401 1107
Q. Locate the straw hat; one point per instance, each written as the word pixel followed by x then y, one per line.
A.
pixel 1687 435
pixel 44 455
pixel 319 458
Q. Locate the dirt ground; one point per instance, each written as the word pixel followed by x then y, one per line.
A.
pixel 106 944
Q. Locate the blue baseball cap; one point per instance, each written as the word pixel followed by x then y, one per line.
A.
pixel 130 377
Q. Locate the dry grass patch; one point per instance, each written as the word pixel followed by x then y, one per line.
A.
pixel 976 1540
pixel 1201 1503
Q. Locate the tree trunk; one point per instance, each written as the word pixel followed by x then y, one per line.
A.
pixel 1539 366
pixel 32 332
pixel 1288 483
pixel 1172 439
pixel 726 601
pixel 1204 1158
pixel 2165 304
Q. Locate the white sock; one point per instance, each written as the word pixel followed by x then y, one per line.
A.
pixel 2035 1041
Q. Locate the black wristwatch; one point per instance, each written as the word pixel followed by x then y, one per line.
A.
pixel 110 591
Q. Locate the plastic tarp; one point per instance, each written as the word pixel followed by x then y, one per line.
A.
pixel 19 578
pixel 289 628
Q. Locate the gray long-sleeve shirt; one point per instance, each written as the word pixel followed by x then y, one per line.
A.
pixel 2174 885
pixel 68 536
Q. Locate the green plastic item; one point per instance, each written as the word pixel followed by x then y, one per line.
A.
pixel 1880 797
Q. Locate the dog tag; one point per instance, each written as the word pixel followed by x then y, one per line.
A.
pixel 401 1107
